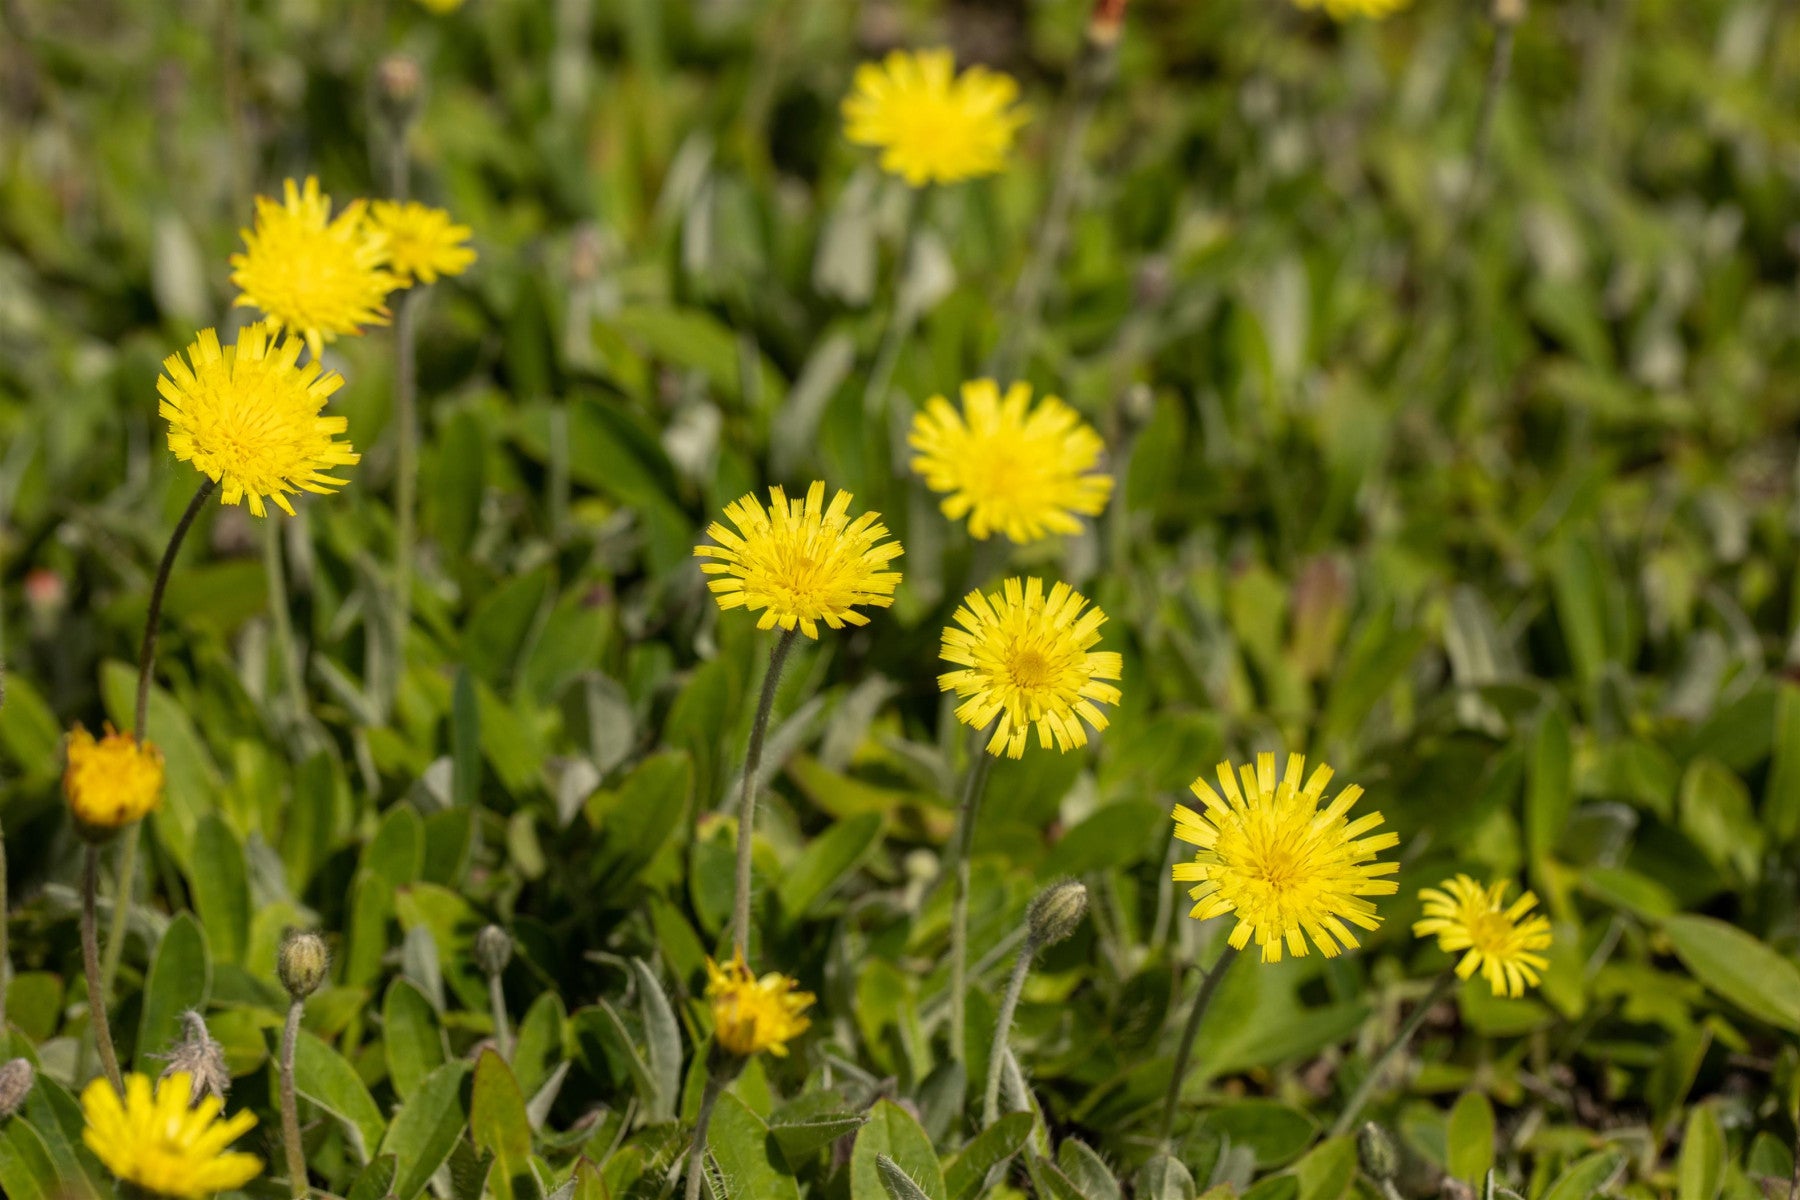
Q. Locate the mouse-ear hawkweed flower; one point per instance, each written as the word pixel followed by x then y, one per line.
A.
pixel 1499 940
pixel 111 781
pixel 422 242
pixel 249 417
pixel 157 1141
pixel 1348 10
pixel 316 275
pixel 932 124
pixel 1027 661
pixel 1009 466
pixel 752 1014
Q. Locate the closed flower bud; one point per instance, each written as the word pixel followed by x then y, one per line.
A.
pixel 201 1059
pixel 1056 911
pixel 1509 12
pixel 493 949
pixel 303 963
pixel 1380 1157
pixel 16 1078
pixel 398 81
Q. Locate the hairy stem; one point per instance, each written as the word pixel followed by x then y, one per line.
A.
pixel 740 904
pixel 1185 1050
pixel 974 784
pixel 124 888
pixel 90 962
pixel 990 1103
pixel 153 621
pixel 290 1109
pixel 497 1002
pixel 696 1168
pixel 1347 1119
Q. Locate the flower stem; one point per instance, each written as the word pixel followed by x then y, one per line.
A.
pixel 1185 1050
pixel 990 1103
pixel 1347 1119
pixel 124 887
pixel 696 1169
pixel 406 473
pixel 746 833
pixel 497 1002
pixel 153 620
pixel 290 1109
pixel 90 962
pixel 974 784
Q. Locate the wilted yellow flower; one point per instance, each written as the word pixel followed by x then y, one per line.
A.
pixel 1500 941
pixel 1288 868
pixel 1009 467
pixel 750 1014
pixel 1028 659
pixel 1346 10
pixel 799 563
pixel 933 125
pixel 422 243
pixel 159 1143
pixel 249 418
pixel 312 274
pixel 112 781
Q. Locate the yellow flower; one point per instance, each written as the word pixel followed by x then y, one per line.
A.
pixel 1028 659
pixel 1022 471
pixel 750 1014
pixel 113 781
pixel 162 1145
pixel 799 562
pixel 933 125
pixel 310 273
pixel 1346 10
pixel 441 7
pixel 421 242
pixel 1500 941
pixel 249 418
pixel 1289 869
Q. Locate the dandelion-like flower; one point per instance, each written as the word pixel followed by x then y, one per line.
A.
pixel 1500 941
pixel 311 273
pixel 422 242
pixel 1009 467
pixel 111 781
pixel 248 417
pixel 933 125
pixel 750 1014
pixel 799 562
pixel 1348 10
pixel 1288 868
pixel 1028 660
pixel 155 1140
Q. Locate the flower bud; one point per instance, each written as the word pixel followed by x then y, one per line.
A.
pixel 200 1058
pixel 303 963
pixel 1509 12
pixel 1056 911
pixel 1380 1157
pixel 16 1080
pixel 1107 22
pixel 493 949
pixel 398 82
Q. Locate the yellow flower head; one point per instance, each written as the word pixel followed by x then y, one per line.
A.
pixel 799 562
pixel 249 418
pixel 750 1014
pixel 422 244
pixel 1347 10
pixel 310 273
pixel 1288 868
pixel 161 1144
pixel 1500 941
pixel 933 125
pixel 112 781
pixel 1022 471
pixel 441 7
pixel 1028 659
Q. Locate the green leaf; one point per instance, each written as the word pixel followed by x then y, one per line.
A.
pixel 374 1181
pixel 465 741
pixel 808 1123
pixel 898 1183
pixel 324 1077
pixel 1162 1178
pixel 892 1131
pixel 1471 1138
pixel 191 781
pixel 494 639
pixel 992 1146
pixel 497 1120
pixel 1048 1180
pixel 411 1040
pixel 745 1157
pixel 687 337
pixel 636 820
pixel 1328 1171
pixel 662 1043
pixel 1549 790
pixel 221 893
pixel 1781 799
pixel 1759 980
pixel 1276 1133
pixel 27 1171
pixel 1585 1179
pixel 826 862
pixel 1086 1170
pixel 180 978
pixel 426 1128
pixel 1700 1173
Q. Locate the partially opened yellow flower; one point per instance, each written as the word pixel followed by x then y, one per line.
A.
pixel 1346 10
pixel 798 562
pixel 1028 661
pixel 1499 940
pixel 1290 869
pixel 751 1015
pixel 249 418
pixel 1007 466
pixel 157 1142
pixel 422 242
pixel 933 125
pixel 310 273
pixel 111 781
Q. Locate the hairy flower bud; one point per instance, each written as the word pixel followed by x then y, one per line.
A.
pixel 1380 1157
pixel 1509 12
pixel 1056 911
pixel 493 949
pixel 200 1058
pixel 302 964
pixel 16 1080
pixel 398 82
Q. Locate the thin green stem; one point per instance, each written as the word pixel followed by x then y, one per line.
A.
pixel 406 471
pixel 746 833
pixel 124 889
pixel 1185 1050
pixel 90 962
pixel 696 1168
pixel 290 1109
pixel 974 784
pixel 1347 1119
pixel 153 620
pixel 990 1103
pixel 497 1003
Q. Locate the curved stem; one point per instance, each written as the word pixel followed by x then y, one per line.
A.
pixel 990 1103
pixel 1414 1019
pixel 746 833
pixel 152 622
pixel 1185 1051
pixel 90 962
pixel 497 1002
pixel 974 784
pixel 124 888
pixel 290 1109
pixel 696 1168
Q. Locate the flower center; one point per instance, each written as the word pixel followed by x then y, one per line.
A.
pixel 1489 930
pixel 1031 671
